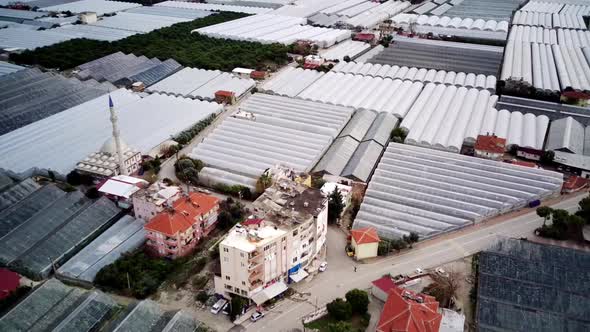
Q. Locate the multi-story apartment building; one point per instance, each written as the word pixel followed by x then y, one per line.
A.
pixel 147 203
pixel 286 235
pixel 175 231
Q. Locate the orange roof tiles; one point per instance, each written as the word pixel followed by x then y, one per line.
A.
pixel 183 214
pixel 493 144
pixel 365 235
pixel 403 312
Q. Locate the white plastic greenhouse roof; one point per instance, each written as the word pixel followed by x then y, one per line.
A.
pixel 266 28
pixel 290 81
pixel 358 13
pixel 93 32
pixel 348 48
pixel 285 131
pixel 7 68
pixel 469 80
pixel 364 92
pixel 170 12
pixel 444 117
pixel 100 7
pixel 214 7
pixel 140 23
pixel 553 14
pixel 539 58
pixel 432 192
pixel 84 128
pixel 448 22
pixel 27 39
pixel 125 235
pixel 567 135
pixel 202 84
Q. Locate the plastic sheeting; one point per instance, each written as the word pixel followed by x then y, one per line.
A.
pixel 84 128
pixel 125 235
pixel 202 84
pixel 290 81
pixel 100 7
pixel 268 29
pixel 290 132
pixel 432 192
pixel 418 74
pixel 213 7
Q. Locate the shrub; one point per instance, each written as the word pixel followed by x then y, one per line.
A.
pixel 339 309
pixel 199 282
pixel 202 297
pixel 187 169
pixel 359 301
pixel 341 327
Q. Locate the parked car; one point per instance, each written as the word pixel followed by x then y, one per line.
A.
pixel 225 309
pixel 440 271
pixel 218 306
pixel 323 266
pixel 257 315
pixel 418 270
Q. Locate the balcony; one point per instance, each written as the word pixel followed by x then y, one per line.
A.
pixel 254 265
pixel 255 284
pixel 254 256
pixel 171 242
pixel 255 275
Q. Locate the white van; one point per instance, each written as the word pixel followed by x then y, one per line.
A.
pixel 218 305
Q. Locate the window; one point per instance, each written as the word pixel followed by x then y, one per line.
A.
pixel 266 248
pixel 243 264
pixel 225 259
pixel 225 250
pixel 243 283
pixel 294 259
pixel 295 232
pixel 241 254
pixel 227 278
pixel 228 287
pixel 244 292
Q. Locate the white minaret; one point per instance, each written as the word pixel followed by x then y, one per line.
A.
pixel 116 136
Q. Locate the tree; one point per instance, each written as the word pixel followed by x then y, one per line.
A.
pixel 411 239
pixel 398 135
pixel 224 220
pixel 339 309
pixel 202 296
pixel 359 301
pixel 92 193
pixel 383 248
pixel 544 212
pixel 399 244
pixel 335 205
pixel 584 210
pixel 237 305
pixel 74 178
pixel 444 287
pixel 341 327
pixel 264 182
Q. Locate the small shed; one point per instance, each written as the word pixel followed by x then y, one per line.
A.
pixel 365 242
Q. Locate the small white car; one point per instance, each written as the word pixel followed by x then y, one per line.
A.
pixel 418 270
pixel 323 267
pixel 440 271
pixel 256 316
pixel 218 306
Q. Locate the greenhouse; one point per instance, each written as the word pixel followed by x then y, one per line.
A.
pixel 513 295
pixel 86 127
pixel 356 151
pixel 124 69
pixel 431 192
pixel 93 32
pixel 290 81
pixel 444 117
pixel 202 84
pixel 55 233
pixel 441 55
pixel 15 193
pixel 280 130
pixel 468 80
pixel 125 235
pixel 8 68
pixel 213 7
pixel 100 7
pixel 30 95
pixel 568 135
pixel 269 29
pixel 139 23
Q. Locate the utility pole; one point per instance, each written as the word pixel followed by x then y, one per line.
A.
pixel 128 282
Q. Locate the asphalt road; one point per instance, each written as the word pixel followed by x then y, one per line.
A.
pixel 340 276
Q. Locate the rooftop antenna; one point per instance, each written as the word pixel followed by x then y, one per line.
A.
pixel 116 135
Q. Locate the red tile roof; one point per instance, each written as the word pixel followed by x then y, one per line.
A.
pixel 524 163
pixel 258 75
pixel 224 93
pixel 250 222
pixel 9 282
pixel 574 183
pixel 365 235
pixel 493 144
pixel 384 283
pixel 364 37
pixel 182 215
pixel 402 312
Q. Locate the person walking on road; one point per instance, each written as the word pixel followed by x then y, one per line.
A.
pixel 355 268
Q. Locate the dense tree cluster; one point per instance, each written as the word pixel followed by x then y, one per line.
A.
pixel 187 135
pixel 230 213
pixel 564 226
pixel 187 169
pixel 335 205
pixel 176 42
